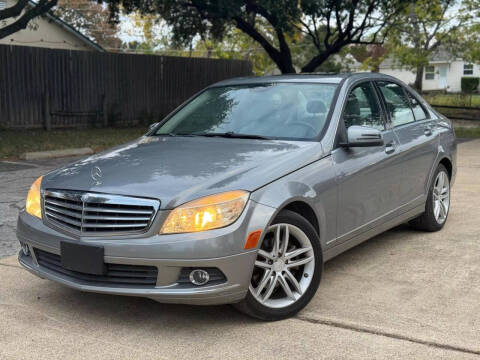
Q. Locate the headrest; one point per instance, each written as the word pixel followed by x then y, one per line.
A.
pixel 316 106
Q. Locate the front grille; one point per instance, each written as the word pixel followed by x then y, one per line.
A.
pixel 97 214
pixel 118 275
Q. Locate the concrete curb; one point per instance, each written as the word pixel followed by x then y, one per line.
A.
pixel 39 155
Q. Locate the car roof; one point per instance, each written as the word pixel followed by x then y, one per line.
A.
pixel 325 78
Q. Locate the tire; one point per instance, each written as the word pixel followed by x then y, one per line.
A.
pixel 432 219
pixel 276 271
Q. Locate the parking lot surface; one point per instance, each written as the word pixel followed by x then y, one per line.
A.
pixel 403 294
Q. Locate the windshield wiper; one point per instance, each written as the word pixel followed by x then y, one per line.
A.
pixel 234 135
pixel 174 134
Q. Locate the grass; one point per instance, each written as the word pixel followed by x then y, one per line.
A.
pixel 467 106
pixel 453 99
pixel 464 132
pixel 473 115
pixel 14 143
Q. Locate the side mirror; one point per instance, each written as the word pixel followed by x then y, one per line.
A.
pixel 363 136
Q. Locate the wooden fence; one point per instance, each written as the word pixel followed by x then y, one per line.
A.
pixel 49 88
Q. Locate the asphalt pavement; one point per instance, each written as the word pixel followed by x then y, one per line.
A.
pixel 16 177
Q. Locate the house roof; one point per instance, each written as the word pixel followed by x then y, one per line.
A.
pixel 71 29
pixel 387 63
pixel 440 55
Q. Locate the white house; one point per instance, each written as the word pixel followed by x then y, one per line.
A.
pixel 48 31
pixel 444 72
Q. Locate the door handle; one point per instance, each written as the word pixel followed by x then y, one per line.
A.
pixel 428 131
pixel 390 147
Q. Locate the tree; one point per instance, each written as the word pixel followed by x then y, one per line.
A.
pixel 236 45
pixel 17 17
pixel 425 26
pixel 468 40
pixel 91 19
pixel 330 25
pixel 371 56
pixel 153 36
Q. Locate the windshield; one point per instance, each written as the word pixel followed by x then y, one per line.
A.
pixel 279 110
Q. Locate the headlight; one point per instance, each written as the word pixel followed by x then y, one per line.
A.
pixel 33 205
pixel 210 212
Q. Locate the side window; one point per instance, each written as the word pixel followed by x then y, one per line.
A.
pixel 397 103
pixel 467 69
pixel 429 72
pixel 362 108
pixel 417 109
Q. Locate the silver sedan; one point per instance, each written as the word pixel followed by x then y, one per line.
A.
pixel 243 192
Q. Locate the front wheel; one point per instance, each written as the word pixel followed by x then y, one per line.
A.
pixel 287 270
pixel 438 203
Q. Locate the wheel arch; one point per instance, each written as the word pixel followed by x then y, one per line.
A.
pixel 303 209
pixel 445 161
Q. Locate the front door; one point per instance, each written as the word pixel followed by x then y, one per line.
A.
pixel 442 76
pixel 365 174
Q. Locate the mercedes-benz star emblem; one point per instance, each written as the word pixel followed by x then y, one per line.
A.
pixel 97 175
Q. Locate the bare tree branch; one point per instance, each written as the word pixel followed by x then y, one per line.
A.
pixel 21 23
pixel 14 10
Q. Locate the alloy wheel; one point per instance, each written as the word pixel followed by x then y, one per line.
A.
pixel 284 266
pixel 441 197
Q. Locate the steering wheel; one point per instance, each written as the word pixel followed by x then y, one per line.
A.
pixel 304 124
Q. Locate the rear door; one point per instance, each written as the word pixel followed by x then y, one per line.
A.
pixel 417 139
pixel 366 175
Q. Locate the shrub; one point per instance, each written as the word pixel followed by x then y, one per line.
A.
pixel 470 84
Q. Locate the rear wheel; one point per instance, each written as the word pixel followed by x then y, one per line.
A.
pixel 287 270
pixel 438 203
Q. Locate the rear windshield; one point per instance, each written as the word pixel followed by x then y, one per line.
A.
pixel 280 110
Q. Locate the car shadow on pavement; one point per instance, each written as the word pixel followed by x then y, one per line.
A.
pixel 371 249
pixel 125 310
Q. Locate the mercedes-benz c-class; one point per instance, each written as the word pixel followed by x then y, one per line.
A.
pixel 244 192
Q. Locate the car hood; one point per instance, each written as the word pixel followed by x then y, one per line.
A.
pixel 178 169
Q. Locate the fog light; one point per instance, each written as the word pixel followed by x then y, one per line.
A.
pixel 199 277
pixel 25 250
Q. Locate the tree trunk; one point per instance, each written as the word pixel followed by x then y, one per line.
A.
pixel 419 78
pixel 284 63
pixel 209 52
pixel 319 59
pixel 282 58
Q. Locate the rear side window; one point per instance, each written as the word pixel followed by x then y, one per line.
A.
pixel 418 110
pixel 397 103
pixel 362 108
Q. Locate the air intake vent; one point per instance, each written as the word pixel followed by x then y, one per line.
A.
pixel 92 214
pixel 117 275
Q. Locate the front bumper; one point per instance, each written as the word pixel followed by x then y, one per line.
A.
pixel 233 290
pixel 221 249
